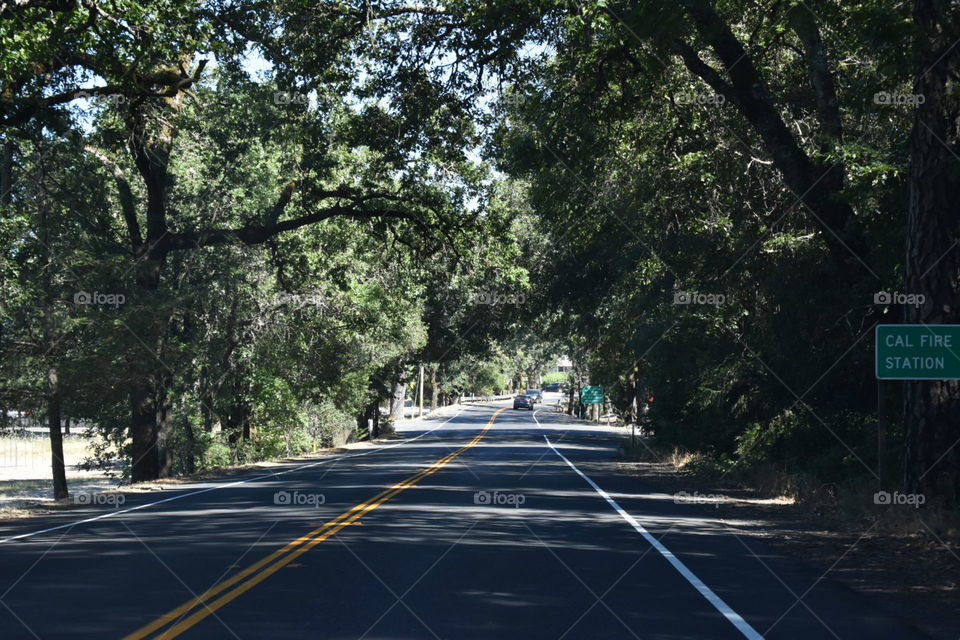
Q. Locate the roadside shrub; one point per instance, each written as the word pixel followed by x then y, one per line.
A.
pixel 216 454
pixel 824 449
pixel 328 425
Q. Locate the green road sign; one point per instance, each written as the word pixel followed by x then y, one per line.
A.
pixel 592 395
pixel 918 351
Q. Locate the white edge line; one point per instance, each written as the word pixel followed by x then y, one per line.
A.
pixel 224 486
pixel 735 618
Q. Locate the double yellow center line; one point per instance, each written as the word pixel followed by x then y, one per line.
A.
pixel 209 601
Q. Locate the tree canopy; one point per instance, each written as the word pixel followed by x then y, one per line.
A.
pixel 258 219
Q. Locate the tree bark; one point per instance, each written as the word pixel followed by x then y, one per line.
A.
pixel 190 461
pixel 164 427
pixel 804 24
pixel 6 173
pixel 151 154
pixel 56 436
pixel 932 408
pixel 144 431
pixel 434 390
pixel 51 350
pixel 397 401
pixel 206 400
pixel 240 414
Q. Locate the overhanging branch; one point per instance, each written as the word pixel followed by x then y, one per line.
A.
pixel 253 234
pixel 127 206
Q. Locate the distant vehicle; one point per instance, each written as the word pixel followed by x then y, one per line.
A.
pixel 535 394
pixel 523 402
pixel 553 387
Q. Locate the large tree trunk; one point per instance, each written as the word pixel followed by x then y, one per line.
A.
pixel 932 408
pixel 206 400
pixel 240 413
pixel 151 427
pixel 6 173
pixel 434 389
pixel 397 400
pixel 51 351
pixel 56 437
pixel 150 146
pixel 190 459
pixel 144 431
pixel 164 427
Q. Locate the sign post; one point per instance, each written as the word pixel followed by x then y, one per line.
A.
pixel 911 352
pixel 917 351
pixel 592 395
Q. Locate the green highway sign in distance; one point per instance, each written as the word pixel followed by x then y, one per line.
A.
pixel 592 395
pixel 918 351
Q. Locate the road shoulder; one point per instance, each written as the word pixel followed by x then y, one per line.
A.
pixel 913 575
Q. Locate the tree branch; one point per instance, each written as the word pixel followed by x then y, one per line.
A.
pixel 16 7
pixel 253 234
pixel 173 82
pixel 818 187
pixel 804 24
pixel 127 205
pixel 698 67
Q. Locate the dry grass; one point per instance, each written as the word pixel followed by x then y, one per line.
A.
pixel 644 449
pixel 28 457
pixel 26 485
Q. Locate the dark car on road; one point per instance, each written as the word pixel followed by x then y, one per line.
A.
pixel 523 402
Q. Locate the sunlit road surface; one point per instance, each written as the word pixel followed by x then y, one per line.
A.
pixel 482 523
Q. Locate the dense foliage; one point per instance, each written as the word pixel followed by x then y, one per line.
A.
pixel 301 204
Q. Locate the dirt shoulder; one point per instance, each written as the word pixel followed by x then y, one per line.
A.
pixel 907 561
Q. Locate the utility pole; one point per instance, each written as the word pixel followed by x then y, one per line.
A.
pixel 421 390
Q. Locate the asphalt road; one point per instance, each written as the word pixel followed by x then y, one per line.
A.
pixel 485 524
